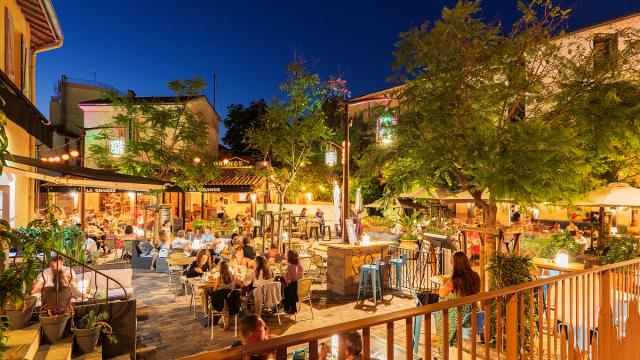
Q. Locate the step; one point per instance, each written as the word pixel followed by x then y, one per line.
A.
pixel 61 350
pixel 23 343
pixel 97 355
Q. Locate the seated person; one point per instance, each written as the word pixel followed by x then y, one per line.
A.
pixel 163 244
pixel 353 347
pixel 235 240
pixel 294 272
pixel 201 265
pixel 226 280
pixel 189 235
pixel 239 263
pixel 261 275
pixel 180 243
pixel 254 330
pixel 249 251
pixel 218 244
pixel 61 292
pixel 572 228
pixel 207 236
pixel 145 247
pixel 273 255
pixel 90 249
pixel 45 278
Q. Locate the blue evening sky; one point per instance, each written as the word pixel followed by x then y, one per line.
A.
pixel 143 44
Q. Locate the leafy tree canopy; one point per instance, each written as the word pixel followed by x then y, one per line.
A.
pixel 163 140
pixel 238 121
pixel 486 110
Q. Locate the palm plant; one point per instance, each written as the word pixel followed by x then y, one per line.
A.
pixel 92 320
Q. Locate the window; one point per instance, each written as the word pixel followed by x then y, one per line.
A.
pixel 8 45
pixel 604 47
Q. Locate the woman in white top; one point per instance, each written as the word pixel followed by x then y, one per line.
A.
pixel 262 275
pixel 239 263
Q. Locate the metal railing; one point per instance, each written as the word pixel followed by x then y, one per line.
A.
pixel 412 268
pixel 586 314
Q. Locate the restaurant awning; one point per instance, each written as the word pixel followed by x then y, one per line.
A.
pixel 21 111
pixel 69 175
pixel 612 195
pixel 228 182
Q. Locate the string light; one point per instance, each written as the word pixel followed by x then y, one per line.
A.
pixel 196 160
pixel 65 156
pixel 74 153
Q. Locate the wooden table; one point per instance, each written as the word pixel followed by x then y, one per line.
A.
pixel 548 264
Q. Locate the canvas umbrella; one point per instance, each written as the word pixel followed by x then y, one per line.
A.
pixel 358 200
pixel 612 195
pixel 429 194
pixel 337 200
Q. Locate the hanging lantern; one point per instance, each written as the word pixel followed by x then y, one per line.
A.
pixel 116 146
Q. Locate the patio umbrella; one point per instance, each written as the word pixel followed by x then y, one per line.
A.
pixel 337 199
pixel 358 200
pixel 396 203
pixel 463 197
pixel 429 194
pixel 612 195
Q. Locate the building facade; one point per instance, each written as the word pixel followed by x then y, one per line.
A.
pixel 28 27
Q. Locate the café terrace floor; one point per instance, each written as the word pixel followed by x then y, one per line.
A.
pixel 173 332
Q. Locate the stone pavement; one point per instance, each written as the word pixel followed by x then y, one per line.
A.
pixel 174 332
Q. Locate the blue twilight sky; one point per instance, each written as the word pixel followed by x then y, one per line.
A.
pixel 143 44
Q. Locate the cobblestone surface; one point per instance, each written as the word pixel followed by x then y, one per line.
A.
pixel 173 331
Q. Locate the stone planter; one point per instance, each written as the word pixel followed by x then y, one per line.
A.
pixel 19 317
pixel 87 339
pixel 54 327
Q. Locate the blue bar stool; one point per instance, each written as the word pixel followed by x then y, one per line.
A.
pixel 373 271
pixel 400 265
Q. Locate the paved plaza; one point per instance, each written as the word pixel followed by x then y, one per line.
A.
pixel 172 331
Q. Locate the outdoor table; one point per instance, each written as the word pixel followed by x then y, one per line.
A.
pixel 548 264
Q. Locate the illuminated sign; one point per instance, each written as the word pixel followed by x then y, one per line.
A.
pixel 116 146
pixel 232 163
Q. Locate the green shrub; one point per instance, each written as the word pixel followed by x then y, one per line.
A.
pixel 378 221
pixel 562 240
pixel 619 249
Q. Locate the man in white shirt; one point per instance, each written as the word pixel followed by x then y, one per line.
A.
pixel 75 218
pixel 220 208
pixel 45 278
pixel 218 244
pixel 207 237
pixel 180 243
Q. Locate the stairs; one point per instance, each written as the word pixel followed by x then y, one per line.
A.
pixel 23 343
pixel 59 351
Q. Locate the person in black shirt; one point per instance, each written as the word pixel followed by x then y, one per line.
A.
pixel 200 266
pixel 247 249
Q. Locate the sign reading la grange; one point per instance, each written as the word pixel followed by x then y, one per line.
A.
pixel 232 163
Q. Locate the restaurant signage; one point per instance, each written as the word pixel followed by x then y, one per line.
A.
pixel 233 163
pixel 97 190
pixel 220 189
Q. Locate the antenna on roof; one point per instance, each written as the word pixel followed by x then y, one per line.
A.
pixel 214 91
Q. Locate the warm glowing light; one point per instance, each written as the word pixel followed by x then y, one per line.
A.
pixel 366 239
pixel 196 160
pixel 56 158
pixel 562 258
pixel 51 159
pixel 44 159
pixel 131 195
pixel 309 196
pixel 387 141
pixel 614 230
pixel 225 161
pixel 321 188
pixel 74 153
pixel 253 197
pixel 304 188
pixel 65 156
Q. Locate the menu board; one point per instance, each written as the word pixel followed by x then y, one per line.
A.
pixel 351 231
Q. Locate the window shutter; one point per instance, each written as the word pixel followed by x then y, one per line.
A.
pixel 8 45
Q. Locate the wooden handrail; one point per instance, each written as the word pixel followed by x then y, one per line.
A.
pixel 328 331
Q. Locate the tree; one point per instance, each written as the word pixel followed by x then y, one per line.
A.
pixel 486 111
pixel 292 129
pixel 238 121
pixel 165 141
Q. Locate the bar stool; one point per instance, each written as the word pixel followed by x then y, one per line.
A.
pixel 311 230
pixel 399 264
pixel 326 228
pixel 373 271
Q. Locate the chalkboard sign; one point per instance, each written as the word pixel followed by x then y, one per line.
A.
pixel 176 225
pixel 351 231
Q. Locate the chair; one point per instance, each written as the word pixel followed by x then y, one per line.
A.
pixel 326 228
pixel 400 265
pixel 127 250
pixel 225 312
pixel 321 267
pixel 467 331
pixel 268 296
pixel 373 271
pixel 304 294
pixel 175 269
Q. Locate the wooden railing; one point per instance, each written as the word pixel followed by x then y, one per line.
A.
pixel 559 317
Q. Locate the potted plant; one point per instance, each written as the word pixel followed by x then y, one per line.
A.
pixel 53 322
pixel 409 241
pixel 562 240
pixel 619 249
pixel 88 329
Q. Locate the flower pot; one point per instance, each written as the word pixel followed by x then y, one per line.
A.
pixel 87 339
pixel 19 317
pixel 54 327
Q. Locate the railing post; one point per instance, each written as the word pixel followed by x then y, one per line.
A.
pixel 512 326
pixel 606 330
